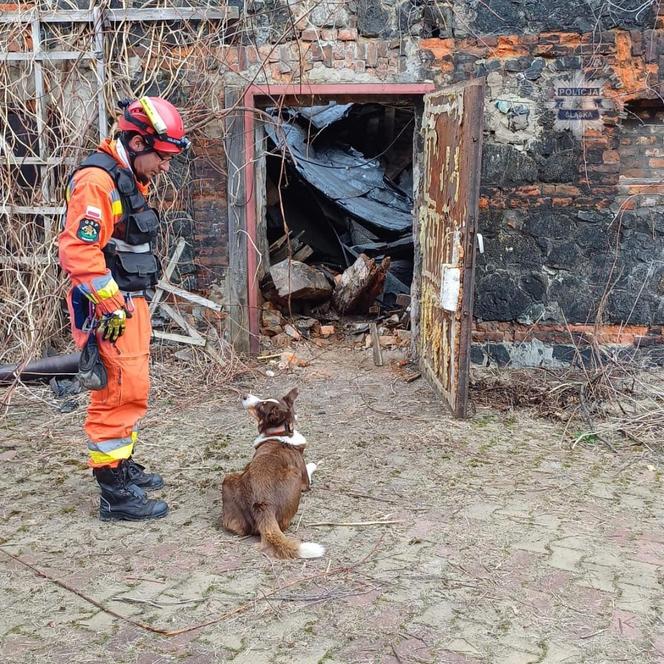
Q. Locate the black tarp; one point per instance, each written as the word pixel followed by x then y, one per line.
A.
pixel 347 177
pixel 323 116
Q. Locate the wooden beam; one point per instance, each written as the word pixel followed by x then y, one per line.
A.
pixel 237 277
pixel 180 320
pixel 178 338
pixel 168 272
pixel 101 72
pixel 13 160
pixel 375 342
pixel 27 260
pixel 39 99
pixel 173 14
pixel 186 295
pixel 32 209
pixel 121 15
pixel 261 201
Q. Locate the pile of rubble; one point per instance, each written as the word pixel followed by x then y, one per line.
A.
pixel 339 224
pixel 329 199
pixel 303 302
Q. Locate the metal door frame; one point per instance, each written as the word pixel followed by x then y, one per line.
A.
pixel 242 217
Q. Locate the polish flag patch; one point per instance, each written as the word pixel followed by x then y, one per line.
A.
pixel 92 212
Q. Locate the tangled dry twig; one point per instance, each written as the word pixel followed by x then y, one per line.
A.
pixel 612 399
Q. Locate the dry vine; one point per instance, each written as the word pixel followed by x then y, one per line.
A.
pixel 41 140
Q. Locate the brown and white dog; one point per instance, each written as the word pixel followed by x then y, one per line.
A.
pixel 264 497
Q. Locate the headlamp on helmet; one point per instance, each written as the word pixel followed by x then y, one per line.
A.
pixel 157 121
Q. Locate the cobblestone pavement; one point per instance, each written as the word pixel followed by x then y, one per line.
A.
pixel 510 548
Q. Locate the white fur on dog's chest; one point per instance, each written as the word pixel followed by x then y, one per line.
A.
pixel 296 440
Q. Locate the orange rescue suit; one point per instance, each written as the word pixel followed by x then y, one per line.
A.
pixel 93 208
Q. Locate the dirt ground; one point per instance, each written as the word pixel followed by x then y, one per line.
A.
pixel 504 545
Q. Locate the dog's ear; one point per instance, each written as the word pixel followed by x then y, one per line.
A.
pixel 290 397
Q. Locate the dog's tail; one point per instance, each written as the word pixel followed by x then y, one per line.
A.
pixel 275 542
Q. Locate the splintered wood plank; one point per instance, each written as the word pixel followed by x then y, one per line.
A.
pixel 168 272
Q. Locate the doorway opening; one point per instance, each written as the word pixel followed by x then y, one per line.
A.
pixel 446 166
pixel 339 201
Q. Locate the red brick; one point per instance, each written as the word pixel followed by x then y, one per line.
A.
pixel 628 204
pixel 645 189
pixel 252 54
pixel 567 190
pixel 611 157
pixel 382 67
pixel 438 47
pixel 349 34
pixel 338 51
pixel 309 35
pixel 633 173
pixel 372 54
pixel 604 168
pixel 509 47
pixel 529 190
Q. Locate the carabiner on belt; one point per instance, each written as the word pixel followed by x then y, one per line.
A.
pixel 129 303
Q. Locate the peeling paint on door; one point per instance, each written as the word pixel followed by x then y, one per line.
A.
pixel 445 239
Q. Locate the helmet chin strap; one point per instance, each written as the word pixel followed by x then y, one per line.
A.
pixel 132 154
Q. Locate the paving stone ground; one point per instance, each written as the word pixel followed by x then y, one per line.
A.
pixel 510 547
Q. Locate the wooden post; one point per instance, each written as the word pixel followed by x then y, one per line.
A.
pixel 237 277
pixel 375 342
pixel 261 201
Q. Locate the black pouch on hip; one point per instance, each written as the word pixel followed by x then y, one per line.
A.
pixel 91 370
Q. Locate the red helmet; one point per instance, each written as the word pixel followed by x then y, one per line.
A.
pixel 157 120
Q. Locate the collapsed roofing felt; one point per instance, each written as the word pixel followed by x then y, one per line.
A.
pixel 347 177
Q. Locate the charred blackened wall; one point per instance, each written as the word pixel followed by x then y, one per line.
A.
pixel 570 235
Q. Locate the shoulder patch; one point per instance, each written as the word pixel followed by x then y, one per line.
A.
pixel 88 230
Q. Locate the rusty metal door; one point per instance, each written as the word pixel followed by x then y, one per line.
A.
pixel 445 236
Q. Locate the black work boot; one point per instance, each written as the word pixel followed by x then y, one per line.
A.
pixel 136 475
pixel 122 500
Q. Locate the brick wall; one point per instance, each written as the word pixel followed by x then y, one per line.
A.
pixel 641 151
pixel 210 228
pixel 570 236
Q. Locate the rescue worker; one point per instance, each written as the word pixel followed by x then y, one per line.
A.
pixel 106 249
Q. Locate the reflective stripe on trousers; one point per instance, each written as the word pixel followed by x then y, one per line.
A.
pixel 114 411
pixel 111 452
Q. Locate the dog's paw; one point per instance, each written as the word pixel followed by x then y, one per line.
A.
pixel 311 469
